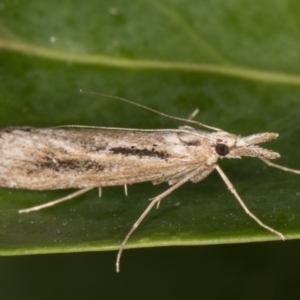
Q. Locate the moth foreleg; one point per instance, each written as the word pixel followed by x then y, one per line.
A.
pixel 234 192
pixel 266 161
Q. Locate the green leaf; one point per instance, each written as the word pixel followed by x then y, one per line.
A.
pixel 238 62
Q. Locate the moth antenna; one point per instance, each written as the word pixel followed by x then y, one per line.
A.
pixel 151 109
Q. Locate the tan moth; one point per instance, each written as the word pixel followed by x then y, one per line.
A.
pixel 87 157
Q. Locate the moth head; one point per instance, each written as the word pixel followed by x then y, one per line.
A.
pixel 232 146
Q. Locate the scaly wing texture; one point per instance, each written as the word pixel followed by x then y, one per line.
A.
pixel 79 158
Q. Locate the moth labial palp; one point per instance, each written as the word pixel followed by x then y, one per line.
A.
pixel 86 157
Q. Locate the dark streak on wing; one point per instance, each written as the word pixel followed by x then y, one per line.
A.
pixel 190 140
pixel 139 152
pixel 192 143
pixel 67 165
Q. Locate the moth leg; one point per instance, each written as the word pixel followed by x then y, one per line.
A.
pixel 125 189
pixel 100 192
pixel 234 192
pixel 193 114
pixel 266 161
pixel 153 202
pixel 52 203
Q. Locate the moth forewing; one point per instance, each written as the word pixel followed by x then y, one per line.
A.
pixel 83 158
pixel 93 157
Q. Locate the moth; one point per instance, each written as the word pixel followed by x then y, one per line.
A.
pixel 85 158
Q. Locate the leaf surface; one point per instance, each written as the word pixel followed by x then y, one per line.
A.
pixel 237 64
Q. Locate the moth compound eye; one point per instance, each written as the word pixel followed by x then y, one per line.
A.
pixel 222 149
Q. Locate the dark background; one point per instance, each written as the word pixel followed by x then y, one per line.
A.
pixel 242 271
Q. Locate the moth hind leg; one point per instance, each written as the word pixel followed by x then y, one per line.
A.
pixel 54 202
